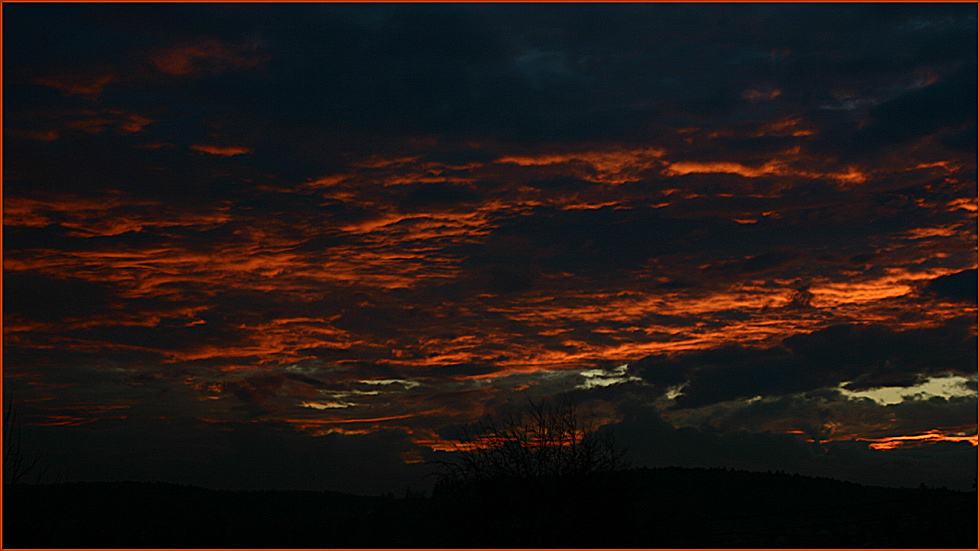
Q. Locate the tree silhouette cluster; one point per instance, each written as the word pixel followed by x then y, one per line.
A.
pixel 543 440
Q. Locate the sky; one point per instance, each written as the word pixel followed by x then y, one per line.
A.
pixel 299 246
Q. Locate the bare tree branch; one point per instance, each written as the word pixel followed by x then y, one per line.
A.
pixel 17 466
pixel 544 439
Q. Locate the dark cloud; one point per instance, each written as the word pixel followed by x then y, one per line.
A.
pixel 863 356
pixel 768 261
pixel 463 370
pixel 437 193
pixel 958 286
pixel 37 297
pixel 527 71
pixel 923 111
pixel 654 442
pixel 877 355
pixel 261 393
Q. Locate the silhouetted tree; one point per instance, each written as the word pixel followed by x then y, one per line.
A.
pixel 17 465
pixel 539 477
pixel 544 439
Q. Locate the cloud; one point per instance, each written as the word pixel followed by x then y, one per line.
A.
pixel 210 56
pixel 221 150
pixel 921 110
pixel 858 356
pixel 654 442
pixel 958 286
pixel 768 261
pixel 34 296
pixel 483 200
pixel 877 354
pixel 88 85
pixel 124 123
pixel 434 194
pixel 262 394
pixel 51 126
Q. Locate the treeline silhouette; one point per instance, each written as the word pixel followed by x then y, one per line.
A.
pixel 666 507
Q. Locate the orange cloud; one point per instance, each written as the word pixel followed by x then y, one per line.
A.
pixel 772 168
pixel 62 420
pixel 210 56
pixel 394 259
pixel 96 123
pixel 89 216
pixel 91 85
pixel 615 166
pixel 895 283
pixel 40 135
pixel 754 95
pixel 965 203
pixel 686 167
pixel 221 151
pixel 928 437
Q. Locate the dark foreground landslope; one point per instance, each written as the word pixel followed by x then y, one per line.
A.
pixel 640 508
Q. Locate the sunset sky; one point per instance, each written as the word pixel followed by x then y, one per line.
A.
pixel 298 246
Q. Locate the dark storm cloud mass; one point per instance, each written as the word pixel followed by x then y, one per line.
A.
pixel 330 227
pixel 859 357
pixel 961 285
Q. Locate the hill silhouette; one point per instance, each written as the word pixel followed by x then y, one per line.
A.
pixel 667 507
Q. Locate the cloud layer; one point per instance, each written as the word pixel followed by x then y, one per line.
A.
pixel 343 227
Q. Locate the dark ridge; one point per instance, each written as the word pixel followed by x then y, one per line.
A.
pixel 641 508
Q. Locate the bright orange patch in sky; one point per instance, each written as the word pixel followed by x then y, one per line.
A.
pixel 916 440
